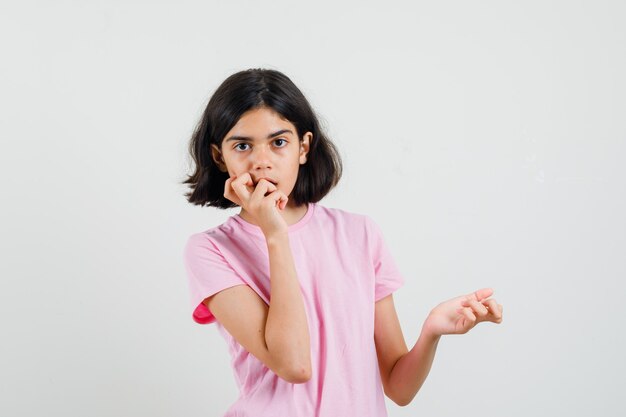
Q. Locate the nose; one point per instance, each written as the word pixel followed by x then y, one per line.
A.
pixel 260 158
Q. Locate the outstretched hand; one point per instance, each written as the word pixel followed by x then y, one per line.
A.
pixel 460 314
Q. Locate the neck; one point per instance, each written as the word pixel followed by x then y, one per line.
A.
pixel 291 214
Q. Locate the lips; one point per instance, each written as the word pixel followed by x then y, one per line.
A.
pixel 265 178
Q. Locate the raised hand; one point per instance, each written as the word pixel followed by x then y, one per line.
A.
pixel 460 314
pixel 262 201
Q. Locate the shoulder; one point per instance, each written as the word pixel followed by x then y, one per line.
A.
pixel 210 239
pixel 357 225
pixel 342 216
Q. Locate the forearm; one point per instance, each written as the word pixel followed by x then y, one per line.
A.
pixel 410 371
pixel 286 329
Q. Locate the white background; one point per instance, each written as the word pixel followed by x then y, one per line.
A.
pixel 486 138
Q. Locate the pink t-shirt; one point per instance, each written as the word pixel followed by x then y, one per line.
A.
pixel 344 267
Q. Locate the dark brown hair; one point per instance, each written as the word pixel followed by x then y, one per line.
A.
pixel 244 91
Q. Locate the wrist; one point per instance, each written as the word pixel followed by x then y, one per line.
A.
pixel 429 333
pixel 276 237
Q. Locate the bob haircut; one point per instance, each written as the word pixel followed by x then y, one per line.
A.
pixel 247 90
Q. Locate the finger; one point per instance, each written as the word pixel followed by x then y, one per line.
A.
pixel 263 188
pixel 230 193
pixel 467 312
pixel 482 293
pixel 493 308
pixel 247 181
pixel 243 186
pixel 284 200
pixel 278 197
pixel 477 308
pixel 227 186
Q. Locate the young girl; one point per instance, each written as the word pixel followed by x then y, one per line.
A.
pixel 302 293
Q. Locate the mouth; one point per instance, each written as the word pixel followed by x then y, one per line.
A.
pixel 267 179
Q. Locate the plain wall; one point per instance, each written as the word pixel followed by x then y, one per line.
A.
pixel 486 138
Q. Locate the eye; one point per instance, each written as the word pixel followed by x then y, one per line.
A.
pixel 246 144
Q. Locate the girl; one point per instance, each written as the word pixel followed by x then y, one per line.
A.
pixel 302 293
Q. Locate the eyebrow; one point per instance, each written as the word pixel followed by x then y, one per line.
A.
pixel 271 135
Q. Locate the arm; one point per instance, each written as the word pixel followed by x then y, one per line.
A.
pixel 287 329
pixel 455 316
pixel 411 370
pixel 402 372
pixel 246 316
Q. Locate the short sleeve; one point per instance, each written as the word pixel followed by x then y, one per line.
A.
pixel 388 277
pixel 208 273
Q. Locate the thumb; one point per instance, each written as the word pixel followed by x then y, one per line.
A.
pixel 483 293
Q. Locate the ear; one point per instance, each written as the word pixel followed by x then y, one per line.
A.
pixel 304 147
pixel 217 157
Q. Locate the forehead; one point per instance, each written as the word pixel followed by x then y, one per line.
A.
pixel 260 121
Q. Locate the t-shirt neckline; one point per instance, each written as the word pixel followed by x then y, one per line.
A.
pixel 291 228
